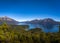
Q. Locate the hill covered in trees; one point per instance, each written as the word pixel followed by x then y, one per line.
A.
pixel 19 34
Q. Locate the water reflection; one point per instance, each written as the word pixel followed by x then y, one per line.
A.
pixel 55 28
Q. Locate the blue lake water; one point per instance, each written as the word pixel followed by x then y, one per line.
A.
pixel 31 26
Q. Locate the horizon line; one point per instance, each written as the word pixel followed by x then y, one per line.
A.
pixel 30 19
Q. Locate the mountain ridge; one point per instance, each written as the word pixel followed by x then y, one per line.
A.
pixel 46 23
pixel 42 20
pixel 8 20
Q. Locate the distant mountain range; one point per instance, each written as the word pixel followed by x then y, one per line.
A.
pixel 43 21
pixel 47 23
pixel 8 20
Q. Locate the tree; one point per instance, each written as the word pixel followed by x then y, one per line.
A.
pixel 5 26
pixel 59 28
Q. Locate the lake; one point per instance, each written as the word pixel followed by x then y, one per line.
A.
pixel 55 28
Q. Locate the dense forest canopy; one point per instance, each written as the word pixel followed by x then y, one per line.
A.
pixel 18 34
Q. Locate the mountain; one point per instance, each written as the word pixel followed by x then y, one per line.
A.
pixel 46 23
pixel 43 21
pixel 8 20
pixel 49 23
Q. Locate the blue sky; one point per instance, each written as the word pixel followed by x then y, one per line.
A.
pixel 22 10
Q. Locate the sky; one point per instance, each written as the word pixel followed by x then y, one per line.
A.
pixel 24 10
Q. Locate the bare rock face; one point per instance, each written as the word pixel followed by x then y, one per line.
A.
pixel 8 20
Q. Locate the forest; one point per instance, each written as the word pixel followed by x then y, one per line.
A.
pixel 19 34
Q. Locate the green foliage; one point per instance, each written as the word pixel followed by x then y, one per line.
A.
pixel 18 34
pixel 59 28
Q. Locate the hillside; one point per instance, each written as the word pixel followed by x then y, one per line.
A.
pixel 8 20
